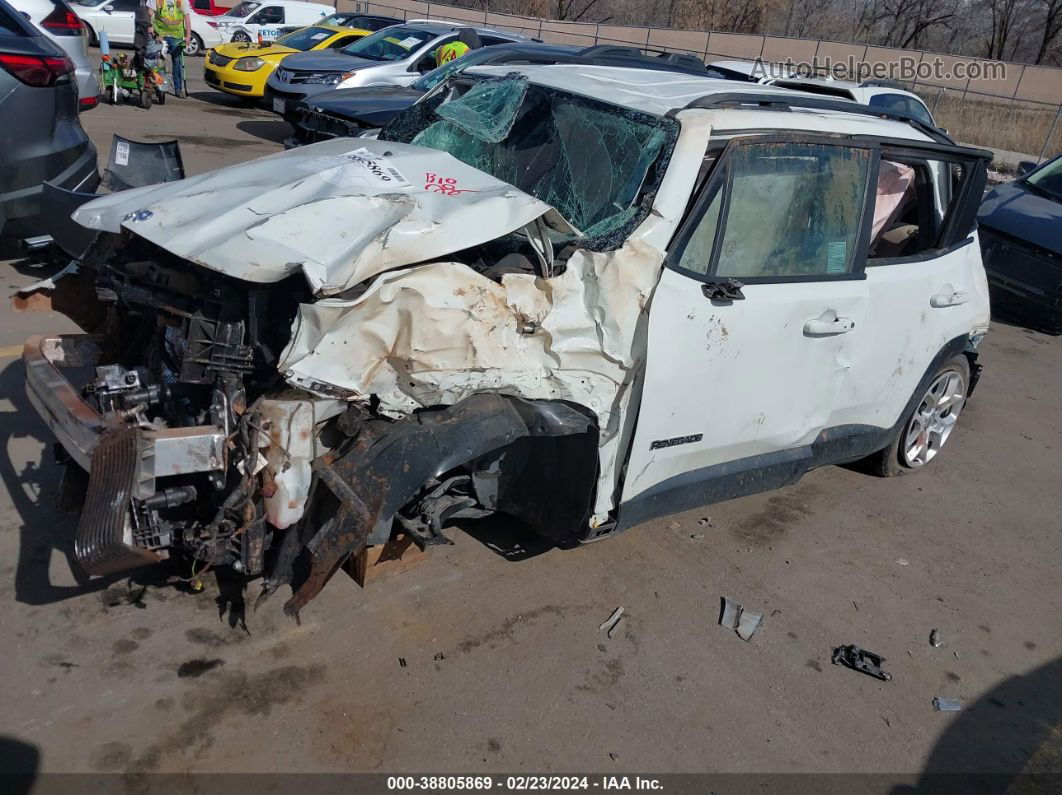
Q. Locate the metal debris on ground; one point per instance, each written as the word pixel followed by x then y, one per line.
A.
pixel 947 704
pixel 744 622
pixel 705 522
pixel 697 536
pixel 401 662
pixel 903 561
pixel 613 619
pixel 858 659
pixel 935 640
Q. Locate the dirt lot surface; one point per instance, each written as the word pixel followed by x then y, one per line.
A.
pixel 487 656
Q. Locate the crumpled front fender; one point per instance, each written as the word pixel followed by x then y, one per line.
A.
pixel 390 462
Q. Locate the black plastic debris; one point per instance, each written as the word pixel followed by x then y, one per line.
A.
pixel 401 662
pixel 861 660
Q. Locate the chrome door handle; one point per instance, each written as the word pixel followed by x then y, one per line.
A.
pixel 941 300
pixel 817 327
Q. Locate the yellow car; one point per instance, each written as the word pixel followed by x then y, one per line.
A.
pixel 242 68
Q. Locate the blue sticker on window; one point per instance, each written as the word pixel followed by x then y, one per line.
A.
pixel 836 256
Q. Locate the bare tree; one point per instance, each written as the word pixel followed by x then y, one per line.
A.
pixel 906 23
pixel 1052 28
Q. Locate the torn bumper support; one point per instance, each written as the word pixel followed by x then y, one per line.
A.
pixel 123 461
pixel 356 496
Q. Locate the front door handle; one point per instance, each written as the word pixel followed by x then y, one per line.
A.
pixel 818 327
pixel 941 300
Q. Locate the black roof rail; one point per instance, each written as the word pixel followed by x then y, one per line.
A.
pixel 763 101
pixel 872 83
pixel 617 54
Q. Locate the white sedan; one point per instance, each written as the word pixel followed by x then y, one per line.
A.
pixel 115 17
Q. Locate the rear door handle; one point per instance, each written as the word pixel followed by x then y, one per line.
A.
pixel 941 300
pixel 817 327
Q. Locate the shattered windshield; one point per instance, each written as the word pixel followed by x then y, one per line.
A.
pixel 594 162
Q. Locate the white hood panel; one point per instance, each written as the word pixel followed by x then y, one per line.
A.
pixel 340 211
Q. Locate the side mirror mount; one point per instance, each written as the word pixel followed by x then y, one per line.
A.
pixel 1025 166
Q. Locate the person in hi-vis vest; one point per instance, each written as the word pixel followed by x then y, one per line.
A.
pixel 171 22
pixel 467 39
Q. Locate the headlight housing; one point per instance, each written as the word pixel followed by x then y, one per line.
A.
pixel 251 64
pixel 329 80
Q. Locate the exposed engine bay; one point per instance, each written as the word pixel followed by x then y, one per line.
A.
pixel 263 477
pixel 293 359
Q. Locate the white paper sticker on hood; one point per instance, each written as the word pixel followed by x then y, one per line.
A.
pixel 263 220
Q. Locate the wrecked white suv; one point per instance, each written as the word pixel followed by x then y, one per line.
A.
pixel 580 296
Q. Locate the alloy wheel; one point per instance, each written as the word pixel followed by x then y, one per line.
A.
pixel 934 418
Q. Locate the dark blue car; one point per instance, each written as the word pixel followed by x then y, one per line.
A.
pixel 1021 242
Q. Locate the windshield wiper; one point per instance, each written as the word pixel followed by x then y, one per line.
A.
pixel 1042 191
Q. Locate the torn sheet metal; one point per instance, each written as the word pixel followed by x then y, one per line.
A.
pixel 744 622
pixel 340 211
pixel 437 333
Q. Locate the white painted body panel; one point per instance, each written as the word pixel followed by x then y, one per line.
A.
pixel 744 375
pixel 336 216
pixel 118 25
pixel 609 333
pixel 295 14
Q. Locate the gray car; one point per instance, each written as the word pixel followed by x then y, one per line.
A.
pixel 59 23
pixel 41 138
pixel 394 56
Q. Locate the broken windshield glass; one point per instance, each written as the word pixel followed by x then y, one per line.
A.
pixel 597 164
pixel 488 109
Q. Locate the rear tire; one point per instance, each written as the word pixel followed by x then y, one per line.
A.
pixel 114 94
pixel 928 425
pixel 145 98
pixel 160 96
pixel 93 39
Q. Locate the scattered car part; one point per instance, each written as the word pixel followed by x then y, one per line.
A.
pixel 735 617
pixel 860 660
pixel 947 704
pixel 610 623
pixel 935 640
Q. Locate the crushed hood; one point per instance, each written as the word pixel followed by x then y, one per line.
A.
pixel 339 211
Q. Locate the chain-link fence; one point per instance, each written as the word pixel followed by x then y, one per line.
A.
pixel 1015 109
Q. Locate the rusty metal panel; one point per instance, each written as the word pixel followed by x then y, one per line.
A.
pixel 694 41
pixel 735 45
pixel 623 34
pixel 777 49
pixel 528 26
pixel 1041 84
pixel 569 33
pixel 455 14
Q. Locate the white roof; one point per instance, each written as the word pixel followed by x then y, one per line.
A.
pixel 658 92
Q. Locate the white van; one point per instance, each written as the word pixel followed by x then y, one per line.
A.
pixel 115 18
pixel 251 19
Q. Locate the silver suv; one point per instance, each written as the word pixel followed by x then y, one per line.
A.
pixel 394 56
